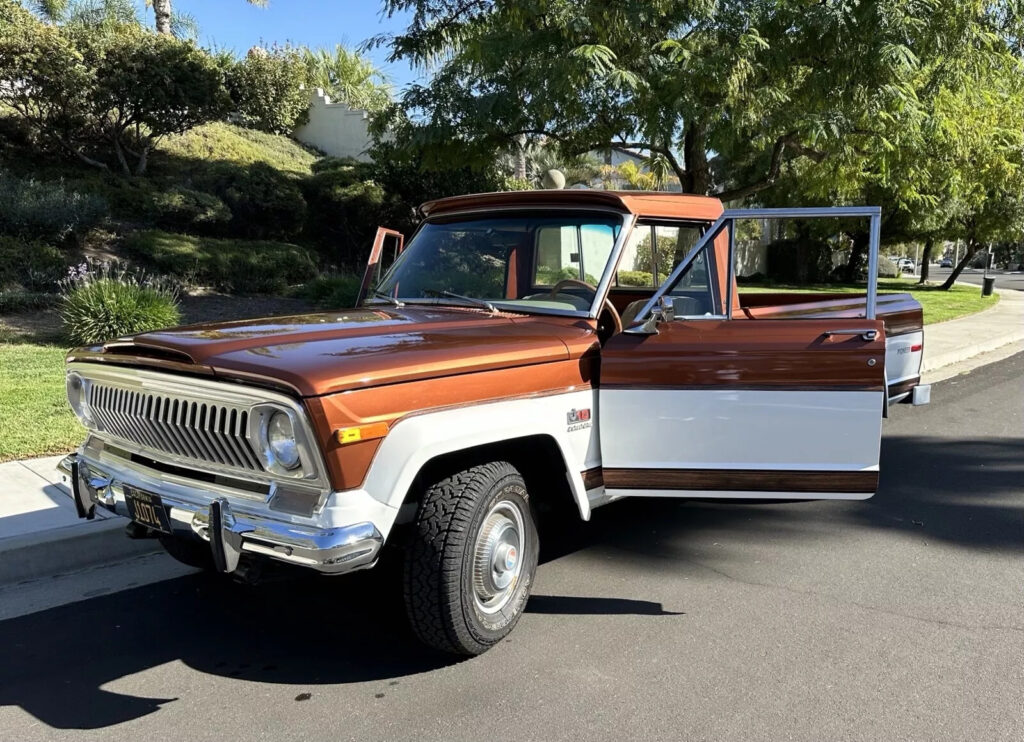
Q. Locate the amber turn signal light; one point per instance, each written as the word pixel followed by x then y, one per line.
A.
pixel 360 433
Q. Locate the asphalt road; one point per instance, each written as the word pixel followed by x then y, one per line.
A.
pixel 1004 279
pixel 901 617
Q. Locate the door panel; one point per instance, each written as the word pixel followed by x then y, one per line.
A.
pixel 741 409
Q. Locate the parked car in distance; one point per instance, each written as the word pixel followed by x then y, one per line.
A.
pixel 906 265
pixel 946 263
pixel 523 356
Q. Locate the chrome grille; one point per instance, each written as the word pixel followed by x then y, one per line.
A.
pixel 212 432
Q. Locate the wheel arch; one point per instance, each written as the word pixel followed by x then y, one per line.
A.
pixel 538 458
pixel 532 434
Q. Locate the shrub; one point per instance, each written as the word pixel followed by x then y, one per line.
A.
pixel 34 266
pixel 887 268
pixel 332 292
pixel 800 260
pixel 24 301
pixel 240 266
pixel 336 163
pixel 634 278
pixel 267 87
pixel 183 209
pixel 344 214
pixel 264 203
pixel 36 210
pixel 101 304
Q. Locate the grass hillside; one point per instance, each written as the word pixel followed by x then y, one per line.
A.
pixel 223 142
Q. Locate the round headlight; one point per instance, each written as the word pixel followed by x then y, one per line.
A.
pixel 281 440
pixel 78 400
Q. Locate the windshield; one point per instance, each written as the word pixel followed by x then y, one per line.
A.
pixel 516 262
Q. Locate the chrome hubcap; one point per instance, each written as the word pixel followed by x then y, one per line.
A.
pixel 497 561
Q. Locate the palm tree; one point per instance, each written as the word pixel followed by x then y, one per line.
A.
pixel 165 16
pixel 347 76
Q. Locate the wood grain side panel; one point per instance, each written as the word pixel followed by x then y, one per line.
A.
pixel 904 387
pixel 740 480
pixel 593 478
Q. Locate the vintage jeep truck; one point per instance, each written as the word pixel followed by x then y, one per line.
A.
pixel 524 351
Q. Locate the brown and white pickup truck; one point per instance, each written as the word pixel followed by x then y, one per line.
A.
pixel 523 352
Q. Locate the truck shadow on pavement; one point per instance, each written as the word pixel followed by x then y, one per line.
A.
pixel 55 664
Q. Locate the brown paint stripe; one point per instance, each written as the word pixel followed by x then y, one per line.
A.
pixel 904 386
pixel 741 480
pixel 592 478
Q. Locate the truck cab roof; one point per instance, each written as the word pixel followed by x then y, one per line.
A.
pixel 649 204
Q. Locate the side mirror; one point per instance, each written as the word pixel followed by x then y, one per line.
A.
pixel 666 309
pixel 663 312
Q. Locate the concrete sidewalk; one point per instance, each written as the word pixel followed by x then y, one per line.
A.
pixel 40 532
pixel 41 535
pixel 948 345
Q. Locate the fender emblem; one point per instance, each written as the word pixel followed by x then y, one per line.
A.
pixel 578 416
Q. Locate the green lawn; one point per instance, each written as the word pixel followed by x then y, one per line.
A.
pixel 34 416
pixel 938 305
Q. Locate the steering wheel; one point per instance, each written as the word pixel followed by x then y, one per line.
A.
pixel 608 310
pixel 557 288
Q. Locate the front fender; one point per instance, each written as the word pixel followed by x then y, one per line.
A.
pixel 417 439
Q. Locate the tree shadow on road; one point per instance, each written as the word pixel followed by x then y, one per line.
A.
pixel 313 631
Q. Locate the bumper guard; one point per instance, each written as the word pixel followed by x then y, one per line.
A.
pixel 194 514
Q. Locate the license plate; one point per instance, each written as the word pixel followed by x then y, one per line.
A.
pixel 146 509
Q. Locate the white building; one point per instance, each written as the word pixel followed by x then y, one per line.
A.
pixel 335 129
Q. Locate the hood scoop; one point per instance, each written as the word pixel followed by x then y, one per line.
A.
pixel 138 349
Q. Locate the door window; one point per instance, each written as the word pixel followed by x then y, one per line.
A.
pixel 653 251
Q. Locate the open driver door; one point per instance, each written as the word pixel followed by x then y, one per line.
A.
pixel 375 264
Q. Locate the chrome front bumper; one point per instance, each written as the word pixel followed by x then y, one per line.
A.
pixel 230 531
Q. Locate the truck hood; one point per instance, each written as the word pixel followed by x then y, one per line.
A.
pixel 315 354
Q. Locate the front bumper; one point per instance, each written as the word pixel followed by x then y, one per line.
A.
pixel 231 531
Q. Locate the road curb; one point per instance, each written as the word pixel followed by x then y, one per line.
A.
pixel 49 553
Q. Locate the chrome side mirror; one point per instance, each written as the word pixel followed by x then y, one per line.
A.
pixel 666 309
pixel 664 312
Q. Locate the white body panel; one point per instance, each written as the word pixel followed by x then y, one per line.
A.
pixel 725 428
pixel 902 363
pixel 417 439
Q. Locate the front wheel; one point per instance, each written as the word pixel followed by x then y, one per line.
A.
pixel 471 564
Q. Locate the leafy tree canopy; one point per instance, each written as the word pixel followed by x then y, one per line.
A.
pixel 106 94
pixel 759 84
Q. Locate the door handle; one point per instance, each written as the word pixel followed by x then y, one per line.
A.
pixel 869 334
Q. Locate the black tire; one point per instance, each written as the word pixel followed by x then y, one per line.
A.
pixel 190 552
pixel 442 600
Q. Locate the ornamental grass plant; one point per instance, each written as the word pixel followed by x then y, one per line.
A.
pixel 100 302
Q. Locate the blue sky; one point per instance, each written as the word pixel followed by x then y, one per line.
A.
pixel 234 24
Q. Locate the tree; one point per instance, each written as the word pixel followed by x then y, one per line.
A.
pixel 267 86
pixel 948 168
pixel 113 90
pixel 759 83
pixel 347 76
pixel 164 14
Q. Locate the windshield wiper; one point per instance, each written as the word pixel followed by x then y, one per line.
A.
pixel 477 302
pixel 387 297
